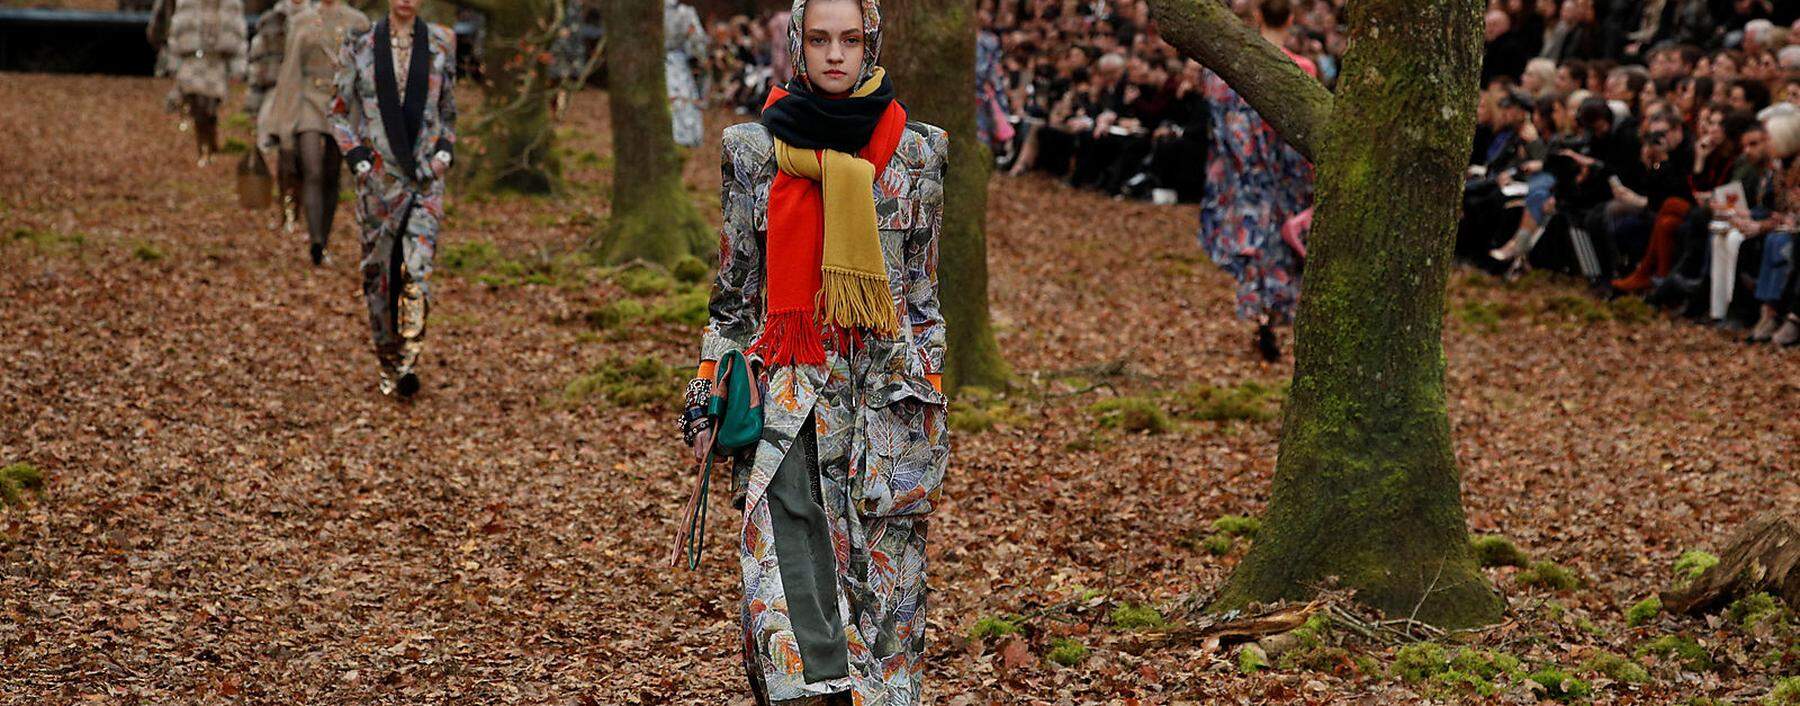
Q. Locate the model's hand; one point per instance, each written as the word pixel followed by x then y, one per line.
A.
pixel 702 443
pixel 440 163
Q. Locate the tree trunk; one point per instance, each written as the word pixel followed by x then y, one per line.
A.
pixel 516 149
pixel 930 50
pixel 652 217
pixel 1366 487
pixel 1763 556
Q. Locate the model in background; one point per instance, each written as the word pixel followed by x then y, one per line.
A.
pixel 684 45
pixel 267 48
pixel 297 113
pixel 206 43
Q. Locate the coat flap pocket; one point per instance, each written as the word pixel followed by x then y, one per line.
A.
pixel 900 387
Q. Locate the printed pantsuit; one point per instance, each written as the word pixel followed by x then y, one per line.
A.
pixel 400 201
pixel 833 561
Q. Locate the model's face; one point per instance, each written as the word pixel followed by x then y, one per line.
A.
pixel 833 42
pixel 404 10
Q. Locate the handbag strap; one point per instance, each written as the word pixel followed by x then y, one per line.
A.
pixel 690 535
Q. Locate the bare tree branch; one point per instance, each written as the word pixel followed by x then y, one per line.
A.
pixel 1296 104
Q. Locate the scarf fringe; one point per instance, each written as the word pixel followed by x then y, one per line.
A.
pixel 790 337
pixel 849 299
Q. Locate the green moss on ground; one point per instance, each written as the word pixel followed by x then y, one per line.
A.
pixel 1755 608
pixel 1067 651
pixel 1466 670
pixel 45 241
pixel 646 381
pixel 690 270
pixel 1495 550
pixel 1785 693
pixel 16 479
pixel 1643 611
pixel 1691 564
pixel 1136 415
pixel 1561 685
pixel 1237 526
pixel 975 409
pixel 1550 575
pixel 1251 659
pixel 1137 617
pixel 643 281
pixel 1616 668
pixel 687 308
pixel 1251 400
pixel 1218 544
pixel 147 252
pixel 616 314
pixel 1678 648
pixel 993 626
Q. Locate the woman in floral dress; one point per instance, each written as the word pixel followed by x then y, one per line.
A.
pixel 1255 184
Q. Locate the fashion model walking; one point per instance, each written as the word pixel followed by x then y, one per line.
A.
pixel 828 279
pixel 394 116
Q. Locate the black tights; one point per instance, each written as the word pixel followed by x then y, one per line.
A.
pixel 205 112
pixel 319 164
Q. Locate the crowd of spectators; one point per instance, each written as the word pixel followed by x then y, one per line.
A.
pixel 1649 146
pixel 1646 145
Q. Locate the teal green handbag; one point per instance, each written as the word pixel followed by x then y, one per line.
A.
pixel 736 410
pixel 736 405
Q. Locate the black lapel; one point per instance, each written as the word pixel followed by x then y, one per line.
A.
pixel 416 85
pixel 387 97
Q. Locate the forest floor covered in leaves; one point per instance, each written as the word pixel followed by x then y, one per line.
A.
pixel 231 514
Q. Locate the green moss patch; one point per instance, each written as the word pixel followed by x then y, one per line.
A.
pixel 688 308
pixel 690 270
pixel 645 381
pixel 1136 415
pixel 642 281
pixel 1251 400
pixel 1067 652
pixel 1785 693
pixel 1495 550
pixel 1692 563
pixel 1643 611
pixel 1678 648
pixel 1237 526
pixel 1550 575
pixel 1755 608
pixel 1561 685
pixel 16 479
pixel 1616 668
pixel 1251 659
pixel 616 314
pixel 977 409
pixel 1137 617
pixel 47 241
pixel 147 252
pixel 994 626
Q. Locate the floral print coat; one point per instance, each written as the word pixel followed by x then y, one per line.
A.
pixel 402 178
pixel 882 445
pixel 1255 183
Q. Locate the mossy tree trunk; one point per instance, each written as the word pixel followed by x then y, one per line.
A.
pixel 931 52
pixel 652 217
pixel 1366 487
pixel 514 138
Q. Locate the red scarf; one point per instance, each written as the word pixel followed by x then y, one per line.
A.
pixel 794 252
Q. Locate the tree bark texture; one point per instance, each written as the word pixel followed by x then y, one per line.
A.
pixel 1764 556
pixel 652 217
pixel 1207 31
pixel 929 48
pixel 1366 487
pixel 516 142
